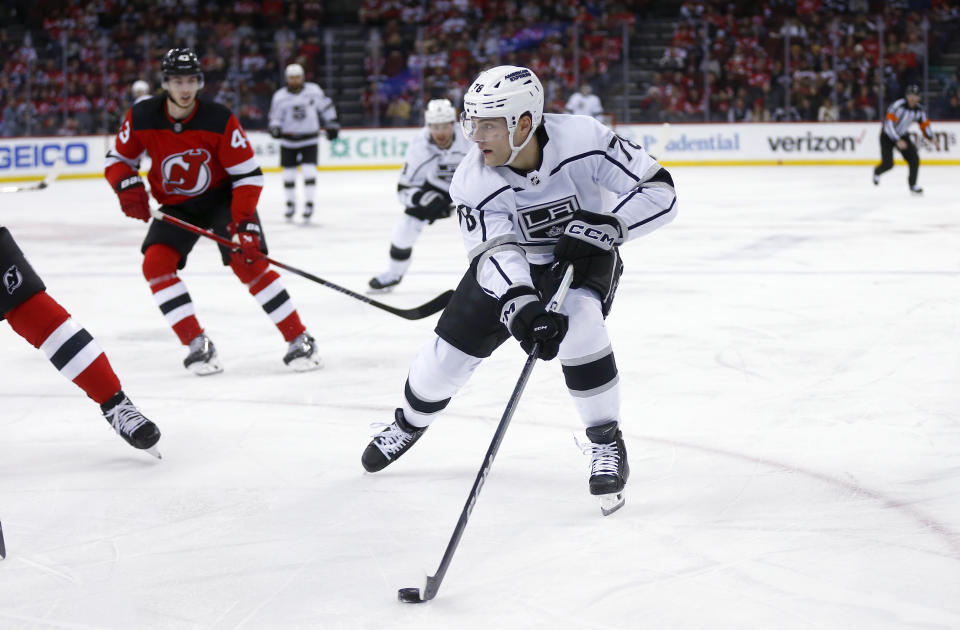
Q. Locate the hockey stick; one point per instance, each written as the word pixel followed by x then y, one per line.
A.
pixel 416 595
pixel 435 305
pixel 48 179
pixel 3 549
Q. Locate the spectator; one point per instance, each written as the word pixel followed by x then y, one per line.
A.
pixel 828 112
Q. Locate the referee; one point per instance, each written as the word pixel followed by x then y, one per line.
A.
pixel 901 114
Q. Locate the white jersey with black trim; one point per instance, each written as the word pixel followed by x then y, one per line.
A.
pixel 301 114
pixel 426 163
pixel 900 116
pixel 511 220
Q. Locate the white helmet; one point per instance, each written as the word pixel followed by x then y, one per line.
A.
pixel 140 87
pixel 440 110
pixel 294 70
pixel 506 92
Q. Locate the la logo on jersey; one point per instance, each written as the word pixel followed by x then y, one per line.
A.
pixel 186 173
pixel 12 279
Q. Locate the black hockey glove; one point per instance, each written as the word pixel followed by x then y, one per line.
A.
pixel 587 244
pixel 431 204
pixel 275 132
pixel 522 312
pixel 332 130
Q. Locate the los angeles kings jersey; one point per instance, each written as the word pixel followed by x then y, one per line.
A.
pixel 299 115
pixel 426 163
pixel 189 157
pixel 511 220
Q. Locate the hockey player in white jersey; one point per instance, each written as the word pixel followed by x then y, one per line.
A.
pixel 424 186
pixel 529 195
pixel 140 90
pixel 297 111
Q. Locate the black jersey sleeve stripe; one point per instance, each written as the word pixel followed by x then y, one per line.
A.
pixel 623 168
pixel 491 197
pixel 574 159
pixel 656 216
pixel 254 173
pixel 503 274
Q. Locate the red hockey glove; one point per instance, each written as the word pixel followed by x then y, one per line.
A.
pixel 246 234
pixel 133 198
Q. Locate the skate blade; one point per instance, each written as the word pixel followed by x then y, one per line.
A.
pixel 205 369
pixel 372 291
pixel 153 451
pixel 305 364
pixel 610 503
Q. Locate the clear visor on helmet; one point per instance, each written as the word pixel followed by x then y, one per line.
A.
pixel 482 129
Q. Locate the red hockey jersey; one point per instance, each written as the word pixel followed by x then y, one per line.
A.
pixel 189 157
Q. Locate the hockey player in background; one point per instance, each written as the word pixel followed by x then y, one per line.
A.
pixel 202 171
pixel 424 186
pixel 296 112
pixel 40 319
pixel 529 195
pixel 140 90
pixel 900 115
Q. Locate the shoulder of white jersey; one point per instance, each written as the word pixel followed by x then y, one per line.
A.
pixel 420 148
pixel 577 134
pixel 312 87
pixel 474 183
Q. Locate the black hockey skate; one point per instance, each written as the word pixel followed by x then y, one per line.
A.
pixel 203 359
pixel 302 354
pixel 307 211
pixel 916 190
pixel 384 282
pixel 609 469
pixel 132 426
pixel 290 211
pixel 388 445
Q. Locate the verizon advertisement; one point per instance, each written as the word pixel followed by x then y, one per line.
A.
pixel 743 144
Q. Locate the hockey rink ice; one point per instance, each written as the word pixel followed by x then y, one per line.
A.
pixel 789 350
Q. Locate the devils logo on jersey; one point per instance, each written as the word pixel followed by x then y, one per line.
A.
pixel 186 173
pixel 12 279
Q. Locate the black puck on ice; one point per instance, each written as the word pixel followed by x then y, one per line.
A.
pixel 409 596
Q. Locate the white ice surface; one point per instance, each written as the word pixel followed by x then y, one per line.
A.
pixel 789 351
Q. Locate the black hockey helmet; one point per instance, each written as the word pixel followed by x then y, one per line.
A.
pixel 181 62
pixel 913 88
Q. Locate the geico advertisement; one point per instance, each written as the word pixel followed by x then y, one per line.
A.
pixel 29 156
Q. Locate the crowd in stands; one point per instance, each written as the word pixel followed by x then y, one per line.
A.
pixel 423 50
pixel 67 67
pixel 727 65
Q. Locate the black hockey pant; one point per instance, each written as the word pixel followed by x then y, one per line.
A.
pixel 909 154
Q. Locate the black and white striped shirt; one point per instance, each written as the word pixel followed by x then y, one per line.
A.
pixel 900 116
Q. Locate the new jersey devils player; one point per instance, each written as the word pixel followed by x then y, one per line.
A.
pixel 203 171
pixel 40 319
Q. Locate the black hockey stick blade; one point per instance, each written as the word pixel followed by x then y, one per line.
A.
pixel 3 548
pixel 48 179
pixel 435 305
